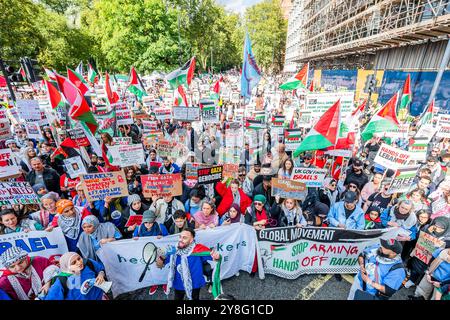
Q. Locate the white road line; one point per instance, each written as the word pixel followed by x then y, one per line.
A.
pixel 349 278
pixel 307 292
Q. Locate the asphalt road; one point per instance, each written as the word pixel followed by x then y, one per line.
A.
pixel 306 287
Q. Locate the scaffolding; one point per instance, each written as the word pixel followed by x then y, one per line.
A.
pixel 338 28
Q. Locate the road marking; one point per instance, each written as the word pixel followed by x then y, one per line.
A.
pixel 307 292
pixel 348 278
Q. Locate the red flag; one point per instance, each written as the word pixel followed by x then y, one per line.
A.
pixel 54 96
pixel 311 86
pixel 77 80
pixel 190 74
pixel 111 95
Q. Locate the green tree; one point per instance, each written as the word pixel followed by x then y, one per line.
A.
pixel 267 28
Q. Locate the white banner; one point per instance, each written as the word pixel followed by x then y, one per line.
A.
pixel 127 155
pixel 290 252
pixel 124 261
pixel 312 177
pixel 36 243
pixel 318 103
pixel 393 158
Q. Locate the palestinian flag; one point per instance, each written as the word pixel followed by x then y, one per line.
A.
pixel 255 124
pixel 298 81
pixel 54 96
pixel 277 247
pixel 59 153
pixel 427 117
pixel 311 86
pixel 216 90
pixel 180 99
pixel 111 96
pixel 260 115
pixel 292 133
pixel 203 251
pixel 278 121
pixel 79 108
pixel 135 86
pixel 348 128
pixel 383 121
pixel 79 68
pixel 405 99
pixel 78 80
pixel 182 75
pixel 92 74
pixel 324 133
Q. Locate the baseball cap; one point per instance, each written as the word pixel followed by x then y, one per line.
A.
pixel 350 196
pixel 149 216
pixel 308 155
pixel 357 163
pixel 392 244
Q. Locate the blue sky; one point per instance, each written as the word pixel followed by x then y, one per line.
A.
pixel 238 6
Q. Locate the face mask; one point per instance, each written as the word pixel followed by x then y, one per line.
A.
pixel 381 254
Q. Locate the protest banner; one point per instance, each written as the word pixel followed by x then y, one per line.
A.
pixel 28 110
pixel 161 185
pixel 37 243
pixel 123 141
pixel 401 132
pixel 443 120
pixel 9 164
pixel 126 155
pixel 230 170
pixel 188 114
pixel 99 185
pixel 148 126
pixel 163 113
pixel 210 175
pixel 425 247
pixel 312 177
pixel 210 112
pixel 124 260
pixel 286 188
pixel 75 167
pixel 33 130
pixel 17 193
pixel 124 117
pixel 403 179
pixel 78 136
pixel 290 252
pixel 392 157
pixel 426 131
pixel 318 103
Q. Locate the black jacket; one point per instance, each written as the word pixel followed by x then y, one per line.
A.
pixel 51 179
pixel 359 179
pixel 259 189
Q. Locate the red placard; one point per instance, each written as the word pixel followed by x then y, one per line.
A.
pixel 132 220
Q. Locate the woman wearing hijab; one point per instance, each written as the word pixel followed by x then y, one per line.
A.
pixel 23 275
pixel 135 207
pixel 232 216
pixel 77 278
pixel 69 220
pixel 439 228
pixel 48 212
pixel 94 235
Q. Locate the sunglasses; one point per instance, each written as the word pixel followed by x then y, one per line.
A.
pixel 257 203
pixel 242 175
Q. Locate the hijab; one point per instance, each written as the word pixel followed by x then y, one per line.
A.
pixel 64 261
pixel 70 226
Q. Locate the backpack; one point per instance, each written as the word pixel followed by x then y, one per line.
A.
pixel 380 295
pixel 63 279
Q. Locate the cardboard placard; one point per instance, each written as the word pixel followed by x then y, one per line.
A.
pixel 33 130
pixel 312 177
pixel 403 179
pixel 99 185
pixel 230 170
pixel 425 246
pixel 192 170
pixel 17 193
pixel 148 126
pixel 186 113
pixel 163 113
pixel 29 110
pixel 5 127
pixel 127 155
pixel 75 167
pixel 124 117
pixel 79 136
pixel 210 113
pixel 122 141
pixel 393 158
pixel 210 175
pixel 161 185
pixel 9 164
pixel 132 220
pixel 171 149
pixel 286 188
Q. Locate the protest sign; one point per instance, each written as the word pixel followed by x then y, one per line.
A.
pixel 403 179
pixel 107 123
pixel 17 193
pixel 443 120
pixel 161 185
pixel 124 261
pixel 235 97
pixel 233 137
pixel 33 130
pixel 126 155
pixel 210 175
pixel 124 117
pixel 171 149
pixel 305 119
pixel 78 136
pixel 75 167
pixel 28 110
pixel 192 170
pixel 426 131
pixel 99 185
pixel 9 164
pixel 392 157
pixel 443 131
pixel 400 132
pixel 186 113
pixel 418 148
pixel 123 141
pixel 290 252
pixel 5 127
pixel 134 220
pixel 230 170
pixel 36 243
pixel 210 114
pixel 286 188
pixel 148 126
pixel 292 139
pixel 318 103
pixel 163 113
pixel 312 177
pixel 425 246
